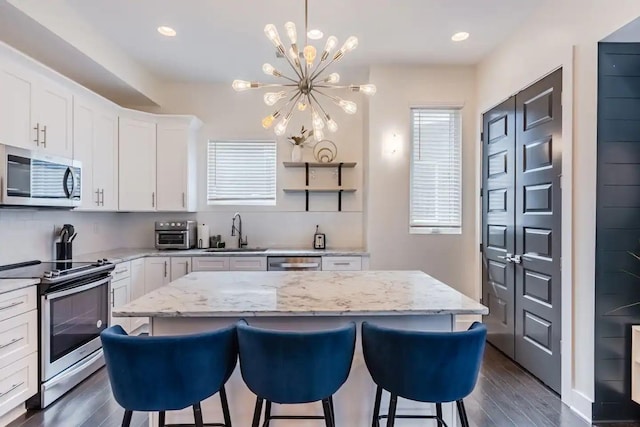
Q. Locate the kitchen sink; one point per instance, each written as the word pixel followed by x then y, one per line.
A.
pixel 235 250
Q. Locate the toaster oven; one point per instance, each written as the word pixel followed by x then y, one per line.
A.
pixel 175 234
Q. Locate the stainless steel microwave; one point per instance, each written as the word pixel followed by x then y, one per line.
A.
pixel 31 178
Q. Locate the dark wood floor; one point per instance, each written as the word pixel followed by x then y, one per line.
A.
pixel 505 396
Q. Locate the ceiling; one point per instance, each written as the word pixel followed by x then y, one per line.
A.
pixel 220 40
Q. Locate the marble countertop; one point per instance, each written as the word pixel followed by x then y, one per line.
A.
pixel 128 254
pixel 309 293
pixel 8 285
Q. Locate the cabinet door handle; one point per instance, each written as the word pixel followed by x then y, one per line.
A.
pixel 44 136
pixel 124 270
pixel 165 269
pixel 37 129
pixel 113 298
pixel 13 387
pixel 6 307
pixel 153 199
pixel 13 341
pixel 183 200
pixel 98 197
pixel 341 263
pixel 102 197
pixel 187 267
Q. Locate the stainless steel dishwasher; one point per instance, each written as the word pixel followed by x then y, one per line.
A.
pixel 311 263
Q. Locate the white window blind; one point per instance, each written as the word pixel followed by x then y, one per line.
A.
pixel 241 172
pixel 436 170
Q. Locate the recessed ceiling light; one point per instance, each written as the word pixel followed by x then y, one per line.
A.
pixel 459 37
pixel 167 31
pixel 315 34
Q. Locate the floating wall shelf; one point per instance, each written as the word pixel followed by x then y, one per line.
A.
pixel 306 190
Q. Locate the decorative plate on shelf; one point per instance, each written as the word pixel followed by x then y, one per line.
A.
pixel 325 151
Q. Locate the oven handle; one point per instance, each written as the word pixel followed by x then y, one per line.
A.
pixel 55 295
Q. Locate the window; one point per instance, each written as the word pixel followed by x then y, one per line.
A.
pixel 241 173
pixel 436 171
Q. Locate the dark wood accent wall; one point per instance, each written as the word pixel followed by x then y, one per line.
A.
pixel 617 229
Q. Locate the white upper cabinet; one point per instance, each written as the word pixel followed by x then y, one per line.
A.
pixel 176 163
pixel 137 164
pixel 35 112
pixel 53 111
pixel 95 144
pixel 17 88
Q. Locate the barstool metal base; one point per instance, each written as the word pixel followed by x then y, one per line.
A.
pixel 197 415
pixel 327 407
pixel 391 417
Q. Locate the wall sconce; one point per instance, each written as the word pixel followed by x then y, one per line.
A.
pixel 392 145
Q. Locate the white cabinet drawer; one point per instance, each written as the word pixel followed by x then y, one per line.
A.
pixel 18 337
pixel 341 263
pixel 122 271
pixel 18 382
pixel 18 302
pixel 210 263
pixel 248 264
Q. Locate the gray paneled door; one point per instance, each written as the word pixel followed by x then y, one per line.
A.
pixel 522 227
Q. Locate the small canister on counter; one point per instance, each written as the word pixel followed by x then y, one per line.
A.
pixel 319 240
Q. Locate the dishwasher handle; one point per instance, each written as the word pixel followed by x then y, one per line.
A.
pixel 295 265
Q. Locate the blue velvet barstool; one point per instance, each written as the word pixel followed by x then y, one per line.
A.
pixel 288 367
pixel 167 373
pixel 433 367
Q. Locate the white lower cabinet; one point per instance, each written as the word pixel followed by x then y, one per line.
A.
pixel 18 382
pixel 341 263
pixel 248 263
pixel 157 273
pixel 214 263
pixel 120 296
pixel 18 348
pixel 137 290
pixel 180 266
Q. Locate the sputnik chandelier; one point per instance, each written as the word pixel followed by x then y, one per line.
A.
pixel 311 81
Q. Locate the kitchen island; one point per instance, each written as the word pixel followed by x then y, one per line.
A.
pixel 304 301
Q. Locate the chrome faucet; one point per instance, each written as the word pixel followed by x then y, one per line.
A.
pixel 241 243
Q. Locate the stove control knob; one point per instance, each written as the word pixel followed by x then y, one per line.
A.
pixel 99 262
pixel 55 273
pixel 48 275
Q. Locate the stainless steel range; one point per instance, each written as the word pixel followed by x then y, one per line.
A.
pixel 73 307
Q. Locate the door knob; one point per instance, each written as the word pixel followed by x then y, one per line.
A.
pixel 515 259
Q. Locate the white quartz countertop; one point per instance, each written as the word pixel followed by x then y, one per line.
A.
pixel 309 293
pixel 127 254
pixel 8 285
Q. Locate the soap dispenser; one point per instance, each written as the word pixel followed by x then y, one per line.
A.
pixel 319 241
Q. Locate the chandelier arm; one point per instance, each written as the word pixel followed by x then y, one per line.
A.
pixel 331 97
pixel 294 102
pixel 292 65
pixel 317 73
pixel 288 78
pixel 319 105
pixel 332 86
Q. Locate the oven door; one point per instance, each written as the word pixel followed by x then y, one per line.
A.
pixel 172 239
pixel 72 320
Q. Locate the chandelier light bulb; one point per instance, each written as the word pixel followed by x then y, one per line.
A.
pixel 332 42
pixel 290 27
pixel 368 89
pixel 349 45
pixel 332 125
pixel 241 85
pixel 272 34
pixel 317 121
pixel 270 70
pixel 268 121
pixel 349 107
pixel 332 78
pixel 302 105
pixel 271 98
pixel 309 54
pixel 281 127
pixel 318 134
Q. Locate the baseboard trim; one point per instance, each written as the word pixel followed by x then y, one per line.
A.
pixel 580 404
pixel 13 414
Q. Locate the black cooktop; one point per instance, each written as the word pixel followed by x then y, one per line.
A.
pixel 39 269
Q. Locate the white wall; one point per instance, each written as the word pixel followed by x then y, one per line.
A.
pixel 542 44
pixel 237 116
pixel 29 234
pixel 388 238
